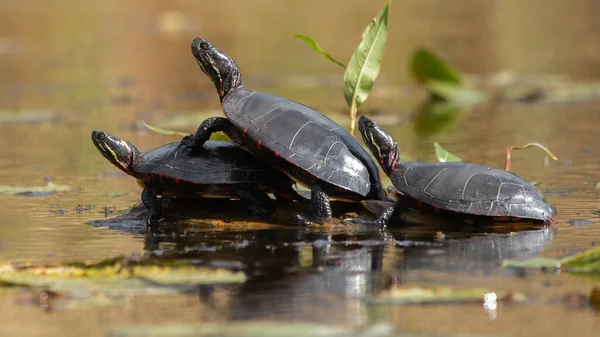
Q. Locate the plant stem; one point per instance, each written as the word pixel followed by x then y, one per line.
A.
pixel 353 111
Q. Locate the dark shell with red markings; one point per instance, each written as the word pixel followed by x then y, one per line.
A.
pixel 303 143
pixel 472 189
pixel 218 163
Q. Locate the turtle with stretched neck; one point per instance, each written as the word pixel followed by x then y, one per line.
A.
pixel 293 138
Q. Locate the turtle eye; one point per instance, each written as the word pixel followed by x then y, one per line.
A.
pixel 102 135
pixel 370 124
pixel 204 46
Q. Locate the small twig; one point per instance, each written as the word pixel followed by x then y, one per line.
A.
pixel 538 145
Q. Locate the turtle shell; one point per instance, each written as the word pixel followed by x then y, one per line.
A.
pixel 218 163
pixel 305 138
pixel 472 189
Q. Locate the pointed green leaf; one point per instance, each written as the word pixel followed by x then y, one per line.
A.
pixel 163 131
pixel 445 156
pixel 318 49
pixel 426 66
pixel 365 63
pixel 214 136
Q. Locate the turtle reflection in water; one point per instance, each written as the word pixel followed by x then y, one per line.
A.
pixel 220 169
pixel 468 192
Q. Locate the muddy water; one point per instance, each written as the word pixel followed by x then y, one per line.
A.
pixel 105 66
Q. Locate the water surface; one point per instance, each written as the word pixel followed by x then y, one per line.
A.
pixel 105 66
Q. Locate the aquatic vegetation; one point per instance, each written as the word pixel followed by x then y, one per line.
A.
pixel 257 329
pixel 441 80
pixel 586 262
pixel 364 65
pixel 33 191
pixel 116 276
pixel 443 155
pixel 429 295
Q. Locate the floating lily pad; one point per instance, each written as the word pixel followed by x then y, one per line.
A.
pixel 422 295
pixel 34 190
pixel 117 276
pixel 587 262
pixel 535 263
pixel 253 329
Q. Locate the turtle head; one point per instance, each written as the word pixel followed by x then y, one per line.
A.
pixel 380 143
pixel 119 152
pixel 217 65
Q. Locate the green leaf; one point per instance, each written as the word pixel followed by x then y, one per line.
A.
pixel 426 66
pixel 452 92
pixel 365 63
pixel 34 190
pixel 587 262
pixel 116 276
pixel 163 131
pixel 318 49
pixel 218 136
pixel 445 156
pixel 422 295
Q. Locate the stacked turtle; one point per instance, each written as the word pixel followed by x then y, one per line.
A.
pixel 276 140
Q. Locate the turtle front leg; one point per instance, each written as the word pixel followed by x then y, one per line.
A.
pixel 150 200
pixel 206 129
pixel 257 203
pixel 384 219
pixel 319 208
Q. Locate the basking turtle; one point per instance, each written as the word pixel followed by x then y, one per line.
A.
pixel 469 191
pixel 289 136
pixel 221 169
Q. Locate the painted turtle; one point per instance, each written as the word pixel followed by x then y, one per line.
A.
pixel 289 136
pixel 221 169
pixel 470 191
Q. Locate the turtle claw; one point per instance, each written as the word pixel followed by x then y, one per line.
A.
pixel 187 142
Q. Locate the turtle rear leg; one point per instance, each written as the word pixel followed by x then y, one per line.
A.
pixel 257 203
pixel 150 200
pixel 319 208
